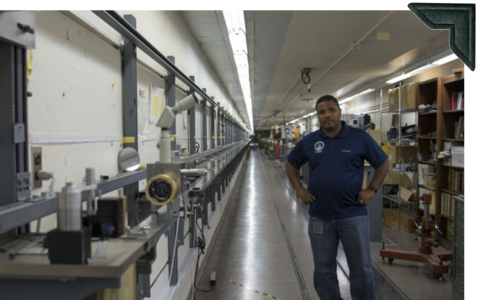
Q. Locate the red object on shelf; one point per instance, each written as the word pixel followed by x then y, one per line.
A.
pixel 277 154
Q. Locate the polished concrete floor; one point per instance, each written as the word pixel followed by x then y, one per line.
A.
pixel 262 249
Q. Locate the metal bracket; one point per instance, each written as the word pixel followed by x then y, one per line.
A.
pixel 19 133
pixel 23 185
pixel 306 71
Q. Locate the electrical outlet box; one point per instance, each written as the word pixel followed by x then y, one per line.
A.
pixel 36 166
pixel 142 93
pixel 213 278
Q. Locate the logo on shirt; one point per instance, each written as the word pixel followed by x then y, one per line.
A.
pixel 319 146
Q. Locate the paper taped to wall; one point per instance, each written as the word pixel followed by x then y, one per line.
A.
pixel 157 103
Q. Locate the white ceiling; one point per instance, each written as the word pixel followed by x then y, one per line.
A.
pixel 281 43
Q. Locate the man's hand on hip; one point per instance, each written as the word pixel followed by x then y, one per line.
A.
pixel 364 196
pixel 305 196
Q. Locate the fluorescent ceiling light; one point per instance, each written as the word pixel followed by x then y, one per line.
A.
pixel 366 92
pixel 445 60
pixel 305 116
pixel 421 69
pixel 343 101
pixel 399 78
pixel 235 21
pixel 424 68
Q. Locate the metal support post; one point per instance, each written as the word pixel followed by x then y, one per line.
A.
pixel 173 255
pixel 7 121
pixel 211 196
pixel 230 127
pixel 191 129
pixel 218 186
pixel 227 176
pixel 13 125
pixel 223 181
pixel 219 134
pixel 193 221
pixel 225 128
pixel 204 123
pixel 205 199
pixel 212 127
pixel 130 123
pixel 170 94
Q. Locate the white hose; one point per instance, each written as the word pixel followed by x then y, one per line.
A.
pixel 45 175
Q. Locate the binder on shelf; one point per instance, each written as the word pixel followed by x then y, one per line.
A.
pixel 453 100
pixel 442 206
pixel 462 131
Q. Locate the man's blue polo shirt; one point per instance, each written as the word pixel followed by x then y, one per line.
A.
pixel 336 170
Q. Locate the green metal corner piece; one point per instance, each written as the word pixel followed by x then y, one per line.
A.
pixel 458 18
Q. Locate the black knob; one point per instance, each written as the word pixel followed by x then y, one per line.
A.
pixel 26 28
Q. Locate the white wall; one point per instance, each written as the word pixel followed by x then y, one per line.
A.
pixel 76 85
pixel 77 89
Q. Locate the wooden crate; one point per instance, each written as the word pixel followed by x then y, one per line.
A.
pixel 407 223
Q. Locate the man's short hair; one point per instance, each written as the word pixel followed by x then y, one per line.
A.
pixel 326 98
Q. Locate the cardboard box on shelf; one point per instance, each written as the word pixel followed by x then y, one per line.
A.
pixel 410 94
pixel 405 194
pixel 407 153
pixel 393 96
pixel 393 177
pixel 413 92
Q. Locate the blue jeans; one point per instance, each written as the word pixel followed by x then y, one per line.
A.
pixel 354 233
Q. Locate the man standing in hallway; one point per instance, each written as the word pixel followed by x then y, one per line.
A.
pixel 336 155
